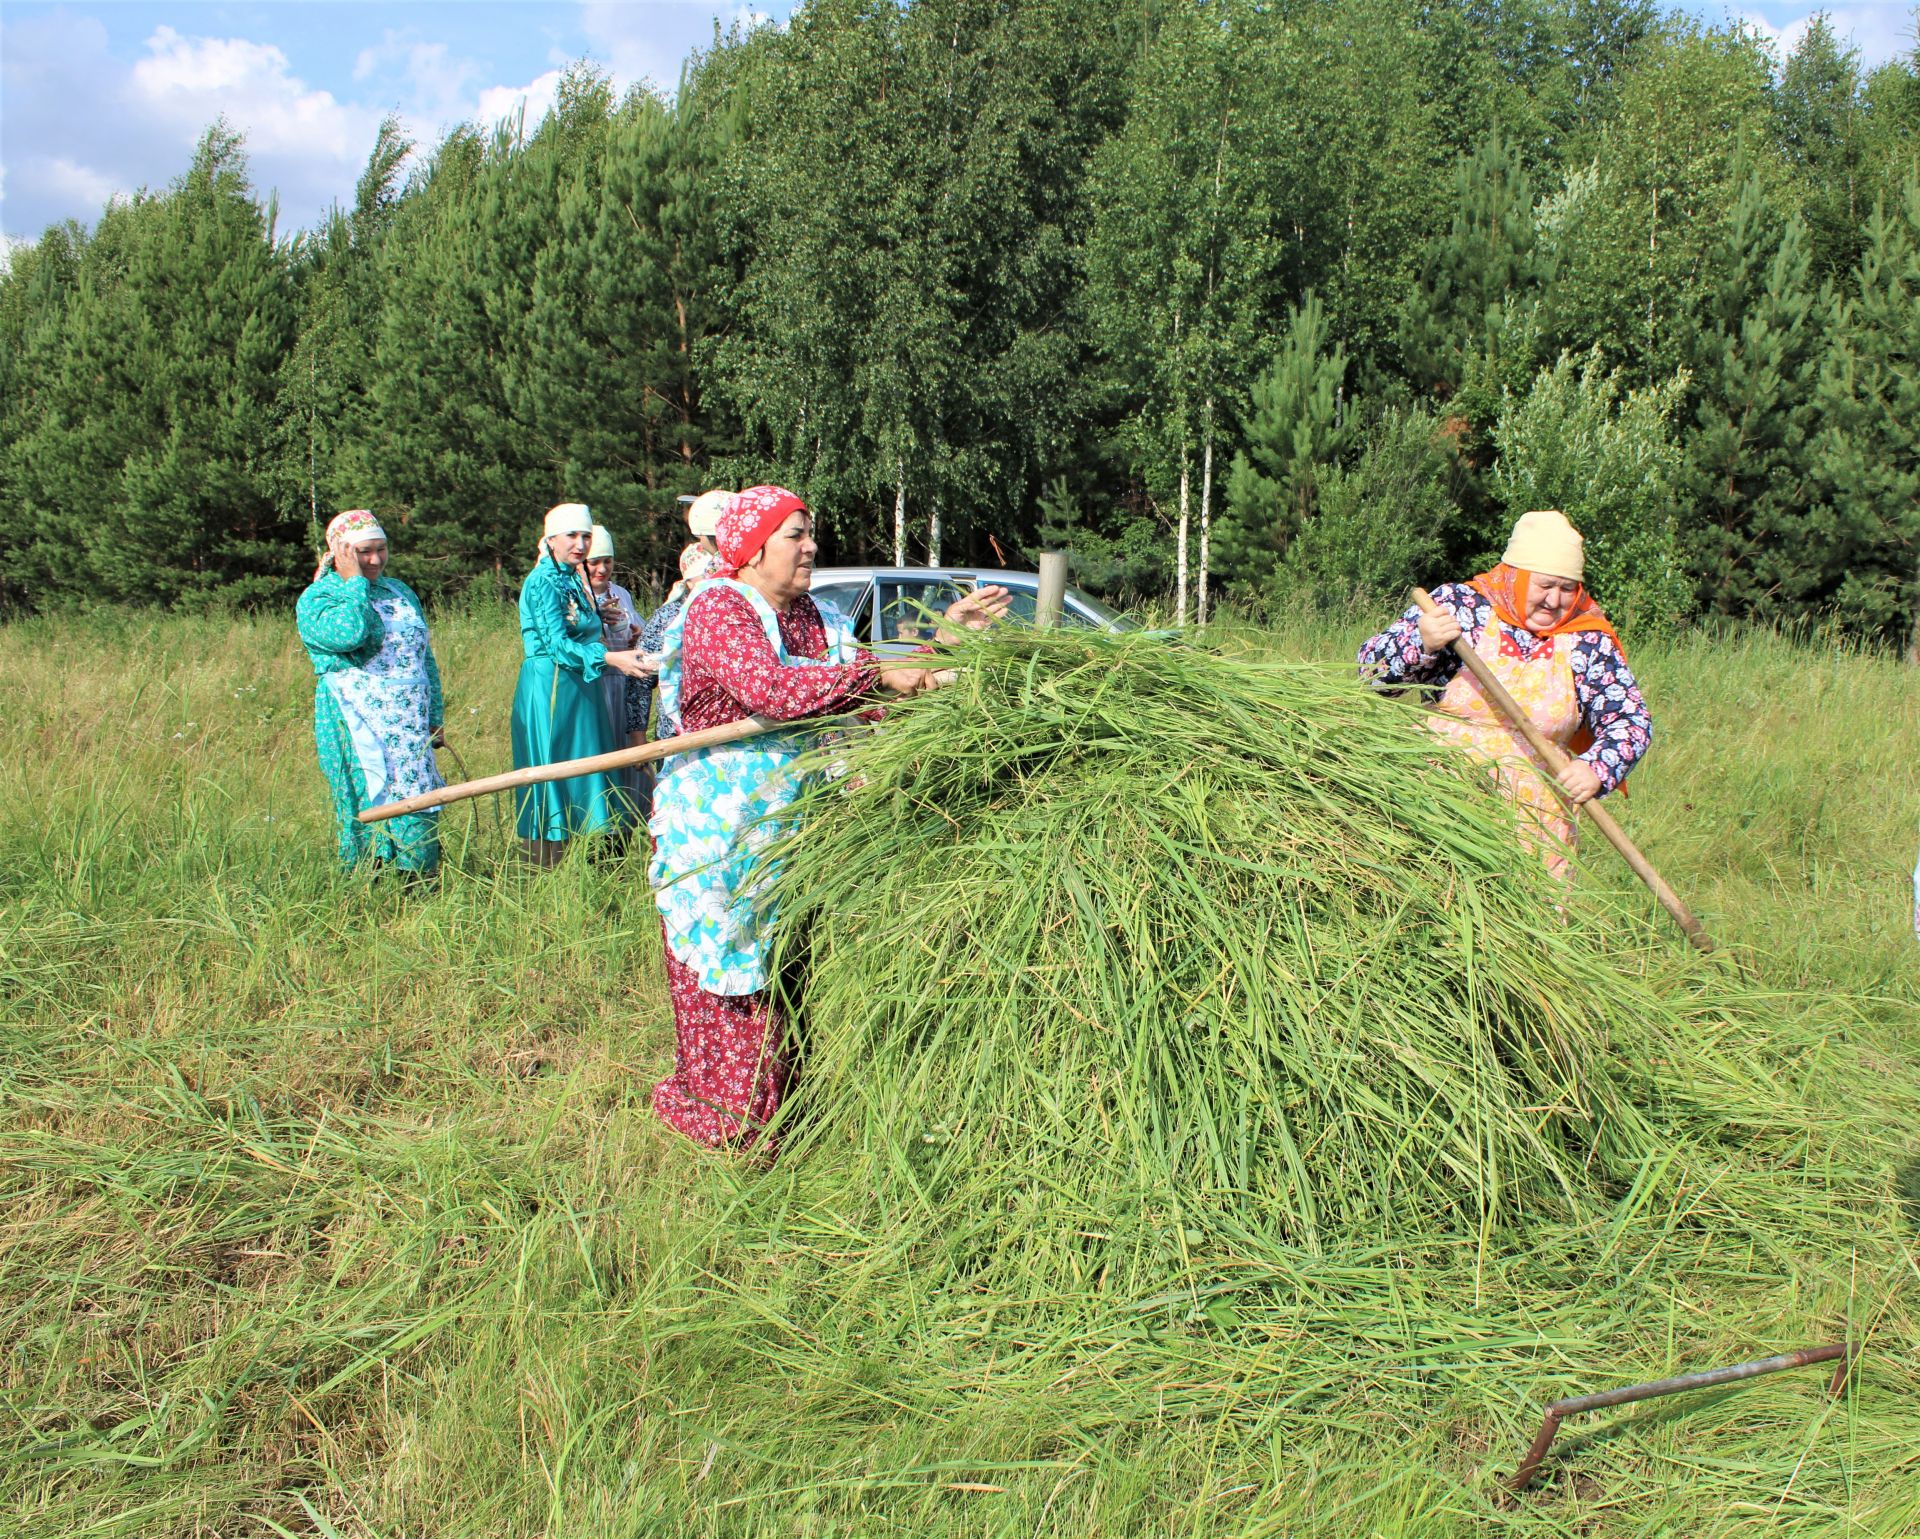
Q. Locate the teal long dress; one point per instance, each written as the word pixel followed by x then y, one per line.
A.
pixel 557 709
pixel 376 704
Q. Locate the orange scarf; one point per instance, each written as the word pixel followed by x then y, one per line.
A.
pixel 1505 587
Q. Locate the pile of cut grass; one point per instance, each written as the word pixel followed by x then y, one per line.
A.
pixel 1161 1009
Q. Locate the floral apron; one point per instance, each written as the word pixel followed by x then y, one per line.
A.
pixel 386 705
pixel 714 811
pixel 1538 673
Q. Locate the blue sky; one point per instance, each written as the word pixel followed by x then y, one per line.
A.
pixel 98 99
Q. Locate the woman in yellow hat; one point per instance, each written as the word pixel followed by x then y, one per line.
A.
pixel 1539 630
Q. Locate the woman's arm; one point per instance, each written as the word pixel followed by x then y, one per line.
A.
pixel 338 616
pixel 1396 656
pixel 723 643
pixel 548 613
pixel 1611 708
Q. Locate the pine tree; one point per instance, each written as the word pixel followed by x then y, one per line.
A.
pixel 326 417
pixel 1294 433
pixel 1862 539
pixel 1459 309
pixel 1755 364
pixel 1819 111
pixel 162 400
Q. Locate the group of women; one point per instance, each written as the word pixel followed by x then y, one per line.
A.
pixel 738 636
pixel 741 636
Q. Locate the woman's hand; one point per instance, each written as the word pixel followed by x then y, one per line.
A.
pixel 904 681
pixel 632 664
pixel 974 612
pixel 612 611
pixel 1580 780
pixel 346 558
pixel 1438 632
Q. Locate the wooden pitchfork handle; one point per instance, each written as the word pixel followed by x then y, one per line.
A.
pixel 1556 761
pixel 595 764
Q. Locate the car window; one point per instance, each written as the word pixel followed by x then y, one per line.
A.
pixel 910 607
pixel 1026 603
pixel 848 601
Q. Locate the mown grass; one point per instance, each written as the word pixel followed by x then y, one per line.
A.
pixel 331 1210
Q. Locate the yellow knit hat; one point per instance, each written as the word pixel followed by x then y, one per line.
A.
pixel 1544 542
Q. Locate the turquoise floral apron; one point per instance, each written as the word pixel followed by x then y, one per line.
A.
pixel 385 706
pixel 715 811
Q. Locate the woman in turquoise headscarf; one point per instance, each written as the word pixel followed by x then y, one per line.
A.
pixel 557 709
pixel 376 701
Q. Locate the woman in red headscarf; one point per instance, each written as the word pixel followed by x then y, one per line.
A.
pixel 1539 630
pixel 750 642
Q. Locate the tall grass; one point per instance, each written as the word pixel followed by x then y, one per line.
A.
pixel 335 1210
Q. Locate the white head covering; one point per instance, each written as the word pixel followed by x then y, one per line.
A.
pixel 1544 541
pixel 601 547
pixel 703 514
pixel 566 518
pixel 356 526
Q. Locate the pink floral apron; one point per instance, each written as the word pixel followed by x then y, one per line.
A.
pixel 1538 673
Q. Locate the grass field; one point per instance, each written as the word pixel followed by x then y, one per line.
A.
pixel 333 1211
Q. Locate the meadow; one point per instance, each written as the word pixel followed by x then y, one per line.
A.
pixel 335 1210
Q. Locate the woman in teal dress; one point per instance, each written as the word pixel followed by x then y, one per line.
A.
pixel 557 709
pixel 376 700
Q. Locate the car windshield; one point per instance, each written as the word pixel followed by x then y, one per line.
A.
pixel 1111 616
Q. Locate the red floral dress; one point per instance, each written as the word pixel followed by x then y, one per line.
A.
pixel 729 1071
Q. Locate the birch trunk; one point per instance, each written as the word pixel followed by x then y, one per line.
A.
pixel 1206 511
pixel 900 518
pixel 1180 561
pixel 933 536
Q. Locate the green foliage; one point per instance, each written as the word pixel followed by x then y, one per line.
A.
pixel 1607 457
pixel 1382 524
pixel 1477 282
pixel 922 261
pixel 1755 364
pixel 1861 542
pixel 140 474
pixel 1295 433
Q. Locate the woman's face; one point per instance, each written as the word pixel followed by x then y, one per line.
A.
pixel 600 571
pixel 569 549
pixel 1548 600
pixel 373 557
pixel 784 565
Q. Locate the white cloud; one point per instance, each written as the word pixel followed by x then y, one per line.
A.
pixel 645 42
pixel 190 81
pixel 504 103
pixel 1880 32
pixel 80 122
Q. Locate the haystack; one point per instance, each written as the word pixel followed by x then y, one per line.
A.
pixel 1130 934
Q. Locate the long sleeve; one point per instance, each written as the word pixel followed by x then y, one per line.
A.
pixel 336 616
pixel 1395 659
pixel 544 627
pixel 727 659
pixel 1611 708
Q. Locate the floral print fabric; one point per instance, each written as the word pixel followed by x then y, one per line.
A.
pixel 1605 691
pixel 729 1071
pixel 376 704
pixel 728 656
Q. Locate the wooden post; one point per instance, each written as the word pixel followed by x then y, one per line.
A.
pixel 1053 589
pixel 1555 760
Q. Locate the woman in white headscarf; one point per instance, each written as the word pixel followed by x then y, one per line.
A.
pixel 377 710
pixel 628 698
pixel 558 710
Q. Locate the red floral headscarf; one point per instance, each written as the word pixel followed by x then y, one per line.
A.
pixel 749 523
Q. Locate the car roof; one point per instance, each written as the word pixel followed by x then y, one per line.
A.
pixel 921 573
